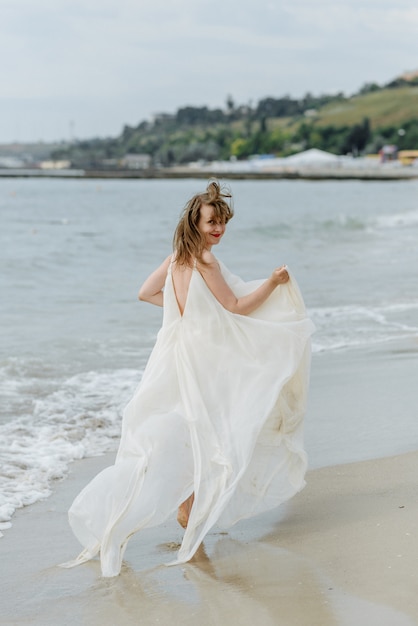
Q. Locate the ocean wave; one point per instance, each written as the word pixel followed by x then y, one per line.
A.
pixel 342 222
pixel 333 225
pixel 306 226
pixel 404 219
pixel 355 326
pixel 81 417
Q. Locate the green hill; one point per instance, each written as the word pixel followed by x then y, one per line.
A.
pixel 360 124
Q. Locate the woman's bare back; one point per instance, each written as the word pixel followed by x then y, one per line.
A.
pixel 181 276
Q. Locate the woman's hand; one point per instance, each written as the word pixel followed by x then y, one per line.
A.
pixel 280 275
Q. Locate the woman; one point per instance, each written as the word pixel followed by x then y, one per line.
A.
pixel 215 426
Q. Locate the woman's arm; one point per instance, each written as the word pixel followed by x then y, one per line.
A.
pixel 152 289
pixel 246 304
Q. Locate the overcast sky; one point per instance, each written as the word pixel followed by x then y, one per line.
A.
pixel 85 68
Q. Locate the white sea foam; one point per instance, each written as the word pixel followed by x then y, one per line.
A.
pixel 401 219
pixel 80 418
pixel 357 326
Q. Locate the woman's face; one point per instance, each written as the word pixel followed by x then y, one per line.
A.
pixel 209 226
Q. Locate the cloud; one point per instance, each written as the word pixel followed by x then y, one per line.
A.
pixel 130 58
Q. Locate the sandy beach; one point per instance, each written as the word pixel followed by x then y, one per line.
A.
pixel 342 552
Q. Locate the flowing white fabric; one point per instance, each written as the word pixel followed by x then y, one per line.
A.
pixel 219 412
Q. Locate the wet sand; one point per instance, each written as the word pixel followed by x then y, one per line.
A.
pixel 343 551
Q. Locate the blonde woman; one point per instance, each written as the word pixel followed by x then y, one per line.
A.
pixel 214 430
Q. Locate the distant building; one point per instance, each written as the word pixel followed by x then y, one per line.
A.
pixel 8 162
pixel 408 157
pixel 410 75
pixel 388 153
pixel 111 164
pixel 312 158
pixel 54 165
pixel 136 161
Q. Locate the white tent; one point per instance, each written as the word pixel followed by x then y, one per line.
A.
pixel 311 157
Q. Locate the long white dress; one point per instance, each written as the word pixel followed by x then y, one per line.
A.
pixel 219 412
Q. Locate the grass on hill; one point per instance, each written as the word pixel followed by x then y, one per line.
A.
pixel 388 107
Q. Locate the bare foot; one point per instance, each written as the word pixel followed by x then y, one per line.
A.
pixel 183 512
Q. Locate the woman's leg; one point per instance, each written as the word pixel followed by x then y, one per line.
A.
pixel 184 509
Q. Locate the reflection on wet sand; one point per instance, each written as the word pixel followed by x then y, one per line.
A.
pixel 240 583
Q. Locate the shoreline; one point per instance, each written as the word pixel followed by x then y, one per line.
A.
pixel 384 173
pixel 342 551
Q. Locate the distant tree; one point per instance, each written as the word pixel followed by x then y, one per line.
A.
pixel 263 124
pixel 375 144
pixel 127 132
pixel 303 133
pixel 400 82
pixel 196 150
pixel 199 115
pixel 277 107
pixel 369 88
pixel 240 148
pixel 357 137
pixel 276 141
pixel 230 104
pixel 408 139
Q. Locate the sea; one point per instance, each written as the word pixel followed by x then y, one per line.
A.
pixel 75 339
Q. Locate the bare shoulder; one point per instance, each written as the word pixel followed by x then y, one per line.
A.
pixel 167 261
pixel 163 268
pixel 210 263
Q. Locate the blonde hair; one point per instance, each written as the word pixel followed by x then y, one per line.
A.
pixel 188 242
